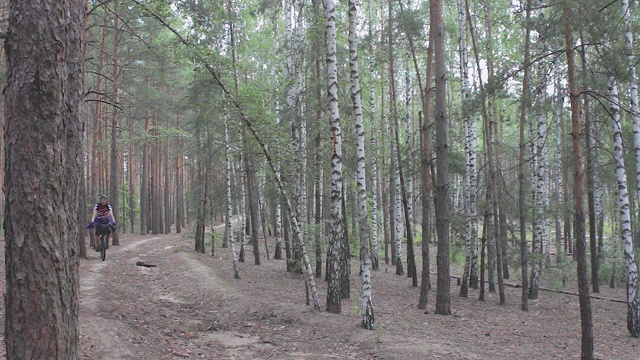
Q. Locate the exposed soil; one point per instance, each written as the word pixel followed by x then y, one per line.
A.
pixel 189 306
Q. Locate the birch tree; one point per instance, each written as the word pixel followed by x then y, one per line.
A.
pixel 539 168
pixel 363 219
pixel 337 224
pixel 277 254
pixel 470 135
pixel 633 296
pixel 374 153
pixel 229 217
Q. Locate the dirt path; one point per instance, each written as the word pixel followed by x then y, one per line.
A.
pixel 182 309
pixel 189 306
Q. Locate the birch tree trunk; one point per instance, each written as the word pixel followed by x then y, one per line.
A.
pixel 229 229
pixel 336 247
pixel 407 177
pixel 373 154
pixel 471 135
pixel 277 255
pixel 242 212
pixel 633 296
pixel 539 169
pixel 394 148
pixel 363 220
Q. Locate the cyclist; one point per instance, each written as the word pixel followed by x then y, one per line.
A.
pixel 102 211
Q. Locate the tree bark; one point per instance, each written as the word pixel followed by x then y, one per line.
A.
pixel 43 128
pixel 368 318
pixel 578 192
pixel 336 242
pixel 443 301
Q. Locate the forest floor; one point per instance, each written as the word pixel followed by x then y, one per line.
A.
pixel 189 306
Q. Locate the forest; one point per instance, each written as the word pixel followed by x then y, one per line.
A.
pixel 471 145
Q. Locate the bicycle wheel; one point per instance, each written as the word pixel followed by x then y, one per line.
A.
pixel 103 247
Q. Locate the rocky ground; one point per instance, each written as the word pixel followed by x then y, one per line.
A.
pixel 189 306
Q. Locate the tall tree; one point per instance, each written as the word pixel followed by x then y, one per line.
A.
pixel 524 249
pixel 229 217
pixel 539 164
pixel 114 171
pixel 443 298
pixel 43 128
pixel 471 135
pixel 374 146
pixel 363 219
pixel 578 188
pixel 336 244
pixel 633 296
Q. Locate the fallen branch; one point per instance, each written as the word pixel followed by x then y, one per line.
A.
pixel 518 286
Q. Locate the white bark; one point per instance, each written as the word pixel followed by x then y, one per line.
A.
pixel 278 215
pixel 539 173
pixel 336 248
pixel 229 231
pixel 470 145
pixel 374 155
pixel 559 166
pixel 363 220
pixel 397 205
pixel 243 207
pixel 633 297
pixel 625 211
pixel 409 137
pixel 301 116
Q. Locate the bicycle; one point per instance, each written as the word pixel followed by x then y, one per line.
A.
pixel 104 245
pixel 104 229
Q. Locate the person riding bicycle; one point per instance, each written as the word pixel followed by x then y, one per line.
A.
pixel 102 214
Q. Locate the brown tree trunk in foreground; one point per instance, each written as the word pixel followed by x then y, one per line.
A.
pixel 43 131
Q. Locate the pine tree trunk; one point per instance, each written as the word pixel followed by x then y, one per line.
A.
pixel 43 129
pixel 578 192
pixel 144 183
pixel 114 198
pixel 590 172
pixel 443 302
pixel 250 176
pixel 167 191
pixel 179 171
pixel 425 167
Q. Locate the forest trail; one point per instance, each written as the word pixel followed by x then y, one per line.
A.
pixel 189 306
pixel 129 312
pixel 183 309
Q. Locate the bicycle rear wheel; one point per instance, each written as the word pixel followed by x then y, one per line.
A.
pixel 103 247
